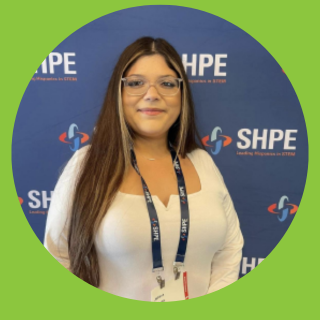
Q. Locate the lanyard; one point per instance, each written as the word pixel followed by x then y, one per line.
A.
pixel 155 227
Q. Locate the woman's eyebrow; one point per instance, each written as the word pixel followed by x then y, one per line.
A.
pixel 140 75
pixel 136 75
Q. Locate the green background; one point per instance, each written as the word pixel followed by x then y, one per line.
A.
pixel 34 285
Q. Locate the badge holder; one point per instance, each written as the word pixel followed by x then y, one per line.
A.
pixel 177 267
pixel 161 281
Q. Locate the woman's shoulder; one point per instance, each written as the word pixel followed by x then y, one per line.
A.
pixel 201 156
pixel 83 150
pixel 76 159
pixel 80 153
pixel 206 163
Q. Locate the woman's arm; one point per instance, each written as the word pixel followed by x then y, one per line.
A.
pixel 225 264
pixel 57 225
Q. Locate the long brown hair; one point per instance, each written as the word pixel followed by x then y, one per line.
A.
pixel 108 158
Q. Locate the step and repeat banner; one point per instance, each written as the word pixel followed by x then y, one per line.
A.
pixel 247 112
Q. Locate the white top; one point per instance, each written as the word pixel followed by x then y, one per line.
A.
pixel 123 240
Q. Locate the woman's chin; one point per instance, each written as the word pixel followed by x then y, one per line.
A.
pixel 151 132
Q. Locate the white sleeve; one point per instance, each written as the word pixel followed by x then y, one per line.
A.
pixel 225 264
pixel 57 225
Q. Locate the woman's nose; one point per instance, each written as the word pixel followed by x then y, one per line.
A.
pixel 152 93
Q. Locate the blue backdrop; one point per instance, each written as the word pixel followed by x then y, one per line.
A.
pixel 248 115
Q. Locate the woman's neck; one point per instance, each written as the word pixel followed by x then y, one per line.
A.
pixel 152 147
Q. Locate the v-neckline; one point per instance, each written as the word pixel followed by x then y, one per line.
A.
pixel 169 201
pixel 172 195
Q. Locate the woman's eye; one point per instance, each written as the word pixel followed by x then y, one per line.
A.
pixel 168 84
pixel 135 83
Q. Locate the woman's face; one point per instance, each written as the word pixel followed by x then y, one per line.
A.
pixel 148 125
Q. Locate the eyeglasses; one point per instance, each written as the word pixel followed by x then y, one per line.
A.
pixel 137 85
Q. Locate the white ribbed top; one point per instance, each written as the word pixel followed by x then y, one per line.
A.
pixel 123 241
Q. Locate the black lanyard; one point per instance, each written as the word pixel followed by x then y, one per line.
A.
pixel 155 227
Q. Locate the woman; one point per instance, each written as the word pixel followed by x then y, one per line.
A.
pixel 144 203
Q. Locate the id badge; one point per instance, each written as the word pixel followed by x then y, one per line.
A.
pixel 174 290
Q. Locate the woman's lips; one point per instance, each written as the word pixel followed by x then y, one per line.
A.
pixel 151 112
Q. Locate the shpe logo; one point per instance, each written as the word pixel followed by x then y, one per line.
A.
pixel 217 139
pixel 205 61
pixel 56 59
pixel 283 208
pixel 74 137
pixel 155 230
pixel 37 200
